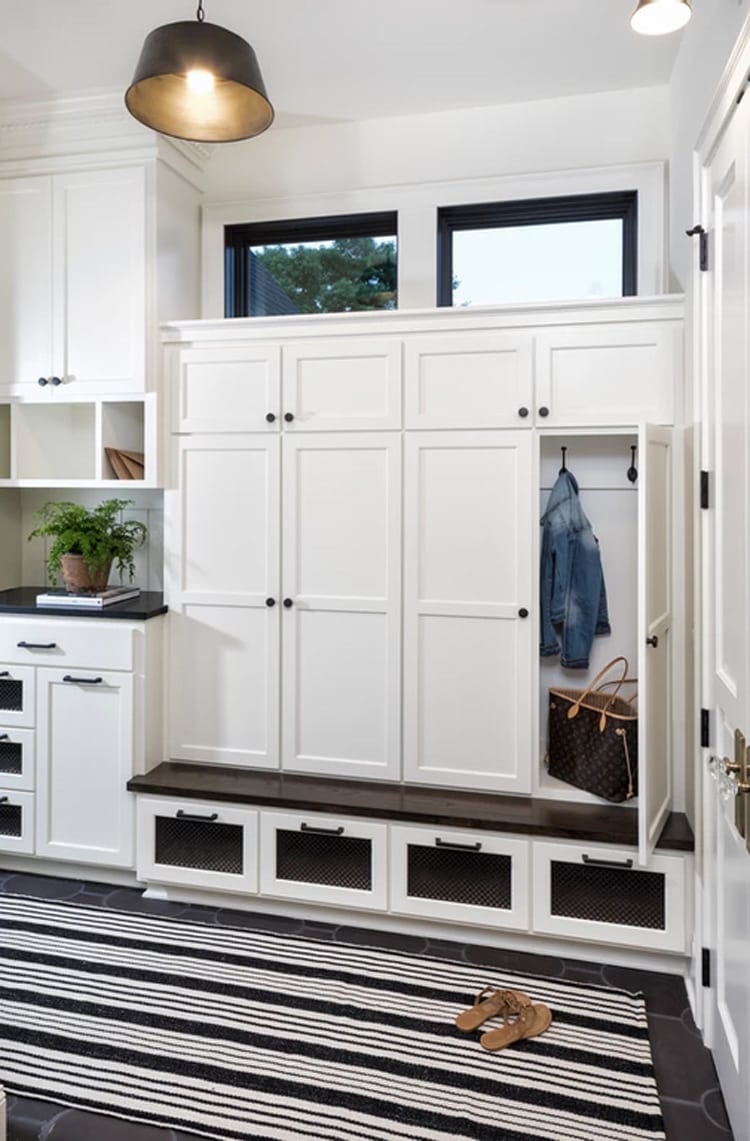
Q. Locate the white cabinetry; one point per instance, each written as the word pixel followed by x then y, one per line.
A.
pixel 74 278
pixel 88 725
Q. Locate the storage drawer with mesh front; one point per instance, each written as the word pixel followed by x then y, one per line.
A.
pixel 323 859
pixel 16 821
pixel 16 758
pixel 201 844
pixel 17 695
pixel 466 877
pixel 604 895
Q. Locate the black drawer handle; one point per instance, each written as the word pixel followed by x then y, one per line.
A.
pixel 196 816
pixel 458 847
pixel 523 412
pixel 3 799
pixel 594 862
pixel 5 673
pixel 544 410
pixel 270 602
pixel 270 417
pixel 4 736
pixel 288 602
pixel 83 680
pixel 288 416
pixel 322 831
pixel 36 645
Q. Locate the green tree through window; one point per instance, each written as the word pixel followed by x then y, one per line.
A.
pixel 344 275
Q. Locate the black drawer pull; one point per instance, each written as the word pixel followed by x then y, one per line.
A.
pixel 459 847
pixel 594 862
pixel 36 645
pixel 288 416
pixel 54 381
pixel 42 382
pixel 4 736
pixel 322 831
pixel 83 680
pixel 288 602
pixel 196 816
pixel 5 673
pixel 270 602
pixel 544 411
pixel 3 800
pixel 270 417
pixel 523 412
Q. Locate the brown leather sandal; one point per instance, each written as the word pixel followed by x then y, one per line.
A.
pixel 533 1019
pixel 489 1003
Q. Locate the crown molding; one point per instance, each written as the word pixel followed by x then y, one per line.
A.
pixel 91 127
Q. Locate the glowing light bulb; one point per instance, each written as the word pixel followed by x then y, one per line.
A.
pixel 200 82
pixel 660 17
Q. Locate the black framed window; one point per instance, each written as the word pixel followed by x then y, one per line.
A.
pixel 337 264
pixel 539 249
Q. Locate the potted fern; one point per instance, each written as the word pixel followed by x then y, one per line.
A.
pixel 87 542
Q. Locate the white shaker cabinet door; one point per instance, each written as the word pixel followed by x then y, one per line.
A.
pixel 25 283
pixel 226 389
pixel 84 760
pixel 222 589
pixel 341 607
pixel 468 600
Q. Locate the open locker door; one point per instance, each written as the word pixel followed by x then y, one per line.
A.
pixel 654 622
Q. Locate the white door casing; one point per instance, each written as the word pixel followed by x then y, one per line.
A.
pixel 468 594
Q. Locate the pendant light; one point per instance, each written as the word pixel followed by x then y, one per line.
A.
pixel 200 82
pixel 658 17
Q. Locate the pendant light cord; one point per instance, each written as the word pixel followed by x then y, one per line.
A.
pixel 200 15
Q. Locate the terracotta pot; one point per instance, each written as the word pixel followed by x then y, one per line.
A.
pixel 77 578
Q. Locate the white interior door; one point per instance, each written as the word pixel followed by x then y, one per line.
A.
pixel 341 613
pixel 727 617
pixel 468 597
pixel 655 624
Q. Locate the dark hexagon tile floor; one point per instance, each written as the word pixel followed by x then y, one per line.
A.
pixel 692 1104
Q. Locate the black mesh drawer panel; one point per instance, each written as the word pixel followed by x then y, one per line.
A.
pixel 11 694
pixel 10 819
pixel 11 757
pixel 482 879
pixel 211 847
pixel 312 857
pixel 608 895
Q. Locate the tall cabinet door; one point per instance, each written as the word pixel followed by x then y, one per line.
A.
pixel 223 594
pixel 341 606
pixel 468 597
pixel 25 283
pixel 655 624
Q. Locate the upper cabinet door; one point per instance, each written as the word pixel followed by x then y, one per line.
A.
pixel 468 598
pixel 608 374
pixel 25 283
pixel 226 389
pixel 655 624
pixel 469 381
pixel 342 384
pixel 99 270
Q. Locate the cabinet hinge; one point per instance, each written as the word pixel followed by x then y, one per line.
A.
pixel 705 729
pixel 704 490
pixel 703 244
pixel 705 967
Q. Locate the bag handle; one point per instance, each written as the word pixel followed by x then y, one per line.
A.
pixel 623 681
pixel 574 709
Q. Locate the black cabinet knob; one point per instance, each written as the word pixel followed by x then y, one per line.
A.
pixel 270 602
pixel 288 416
pixel 288 602
pixel 652 641
pixel 42 381
pixel 544 410
pixel 55 380
pixel 270 417
pixel 523 412
pixel 523 612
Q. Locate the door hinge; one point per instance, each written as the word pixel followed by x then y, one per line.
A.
pixel 703 244
pixel 705 967
pixel 704 490
pixel 705 729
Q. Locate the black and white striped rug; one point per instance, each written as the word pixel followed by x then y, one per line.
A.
pixel 241 1034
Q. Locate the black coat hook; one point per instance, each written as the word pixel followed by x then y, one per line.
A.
pixel 632 472
pixel 563 449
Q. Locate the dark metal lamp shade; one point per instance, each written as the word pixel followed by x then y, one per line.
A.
pixel 234 107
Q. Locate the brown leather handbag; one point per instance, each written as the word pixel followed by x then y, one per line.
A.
pixel 593 737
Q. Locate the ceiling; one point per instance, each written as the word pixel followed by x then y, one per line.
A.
pixel 328 60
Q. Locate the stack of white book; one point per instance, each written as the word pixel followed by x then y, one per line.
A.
pixel 88 599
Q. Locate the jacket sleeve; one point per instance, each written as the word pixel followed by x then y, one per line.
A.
pixel 554 577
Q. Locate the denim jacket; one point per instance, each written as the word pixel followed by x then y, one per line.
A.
pixel 573 595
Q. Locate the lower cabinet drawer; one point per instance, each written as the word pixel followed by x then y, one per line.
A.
pixel 323 859
pixel 16 821
pixel 198 844
pixel 600 894
pixel 460 876
pixel 17 761
pixel 17 695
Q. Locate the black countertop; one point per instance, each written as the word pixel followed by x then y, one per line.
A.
pixel 385 801
pixel 22 600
